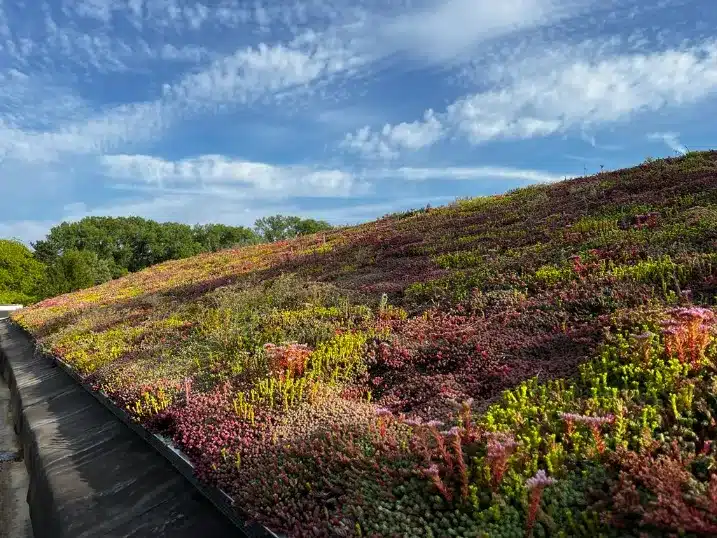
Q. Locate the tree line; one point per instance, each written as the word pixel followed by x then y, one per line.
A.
pixel 76 255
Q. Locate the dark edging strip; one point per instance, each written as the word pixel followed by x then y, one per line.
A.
pixel 221 501
pixel 35 388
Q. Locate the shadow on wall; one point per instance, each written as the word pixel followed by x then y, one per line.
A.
pixel 7 309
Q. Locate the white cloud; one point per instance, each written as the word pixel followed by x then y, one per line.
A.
pixel 95 134
pixel 25 230
pixel 468 173
pixel 95 9
pixel 444 29
pixel 63 45
pixel 241 78
pixel 304 65
pixel 130 35
pixel 218 172
pixel 609 90
pixel 392 139
pixel 247 180
pixel 252 72
pixel 575 94
pixel 670 139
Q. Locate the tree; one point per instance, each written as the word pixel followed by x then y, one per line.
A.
pixel 110 238
pixel 275 228
pixel 74 270
pixel 129 244
pixel 21 275
pixel 311 226
pixel 280 227
pixel 154 243
pixel 215 237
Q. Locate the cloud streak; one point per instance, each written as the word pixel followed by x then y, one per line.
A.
pixel 445 30
pixel 671 140
pixel 239 79
pixel 248 179
pixel 468 173
pixel 258 179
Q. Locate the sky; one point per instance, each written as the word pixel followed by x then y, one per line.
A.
pixel 343 110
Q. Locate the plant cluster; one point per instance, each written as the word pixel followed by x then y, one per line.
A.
pixel 539 363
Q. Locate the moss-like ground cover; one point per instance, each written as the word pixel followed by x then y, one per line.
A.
pixel 538 363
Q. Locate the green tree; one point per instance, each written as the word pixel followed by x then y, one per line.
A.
pixel 215 237
pixel 21 275
pixel 311 226
pixel 108 237
pixel 129 244
pixel 154 243
pixel 280 227
pixel 74 270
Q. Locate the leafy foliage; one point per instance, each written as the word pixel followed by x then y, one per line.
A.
pixel 280 227
pixel 21 275
pixel 74 270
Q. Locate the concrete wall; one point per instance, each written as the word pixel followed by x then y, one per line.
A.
pixel 7 309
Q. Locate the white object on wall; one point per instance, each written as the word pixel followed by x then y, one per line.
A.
pixel 5 309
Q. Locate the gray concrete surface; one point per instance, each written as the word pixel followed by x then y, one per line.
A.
pixel 14 480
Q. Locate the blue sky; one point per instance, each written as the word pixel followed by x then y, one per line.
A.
pixel 343 110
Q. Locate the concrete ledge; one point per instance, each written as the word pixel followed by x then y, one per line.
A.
pixel 7 309
pixel 90 475
pixel 14 480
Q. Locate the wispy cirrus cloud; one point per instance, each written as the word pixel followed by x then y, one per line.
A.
pixel 306 63
pixel 576 93
pixel 252 72
pixel 239 79
pixel 671 140
pixel 441 31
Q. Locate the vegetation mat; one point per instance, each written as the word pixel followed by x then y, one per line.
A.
pixel 537 363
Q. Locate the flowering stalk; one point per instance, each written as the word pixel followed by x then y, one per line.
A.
pixel 187 389
pixel 691 335
pixel 644 340
pixel 433 426
pixel 419 439
pixel 460 462
pixel 383 413
pixel 594 423
pixel 433 474
pixel 597 437
pixel 466 418
pixel 500 447
pixel 536 485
